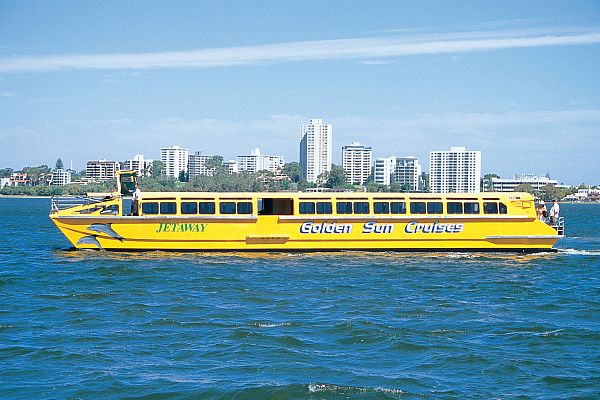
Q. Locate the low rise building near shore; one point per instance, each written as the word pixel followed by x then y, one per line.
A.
pixel 61 177
pixel 510 184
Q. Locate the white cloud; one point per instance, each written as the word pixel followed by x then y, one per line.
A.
pixel 358 48
pixel 376 62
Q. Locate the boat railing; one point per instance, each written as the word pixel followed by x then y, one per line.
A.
pixel 559 225
pixel 58 203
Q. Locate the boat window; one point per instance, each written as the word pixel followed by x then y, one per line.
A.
pixel 227 207
pixel 471 208
pixel 381 207
pixel 503 208
pixel 150 208
pixel 244 207
pixel 454 207
pixel 435 207
pixel 91 210
pixel 343 207
pixel 112 209
pixel 361 207
pixel 206 207
pixel 189 207
pixel 490 207
pixel 168 207
pixel 417 207
pixel 398 207
pixel 276 207
pixel 324 207
pixel 307 207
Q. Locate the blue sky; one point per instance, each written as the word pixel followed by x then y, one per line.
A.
pixel 99 79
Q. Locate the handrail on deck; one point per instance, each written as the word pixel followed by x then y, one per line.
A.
pixel 58 203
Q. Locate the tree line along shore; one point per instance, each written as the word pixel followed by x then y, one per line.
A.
pixel 290 179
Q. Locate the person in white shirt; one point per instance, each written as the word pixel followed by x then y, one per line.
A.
pixel 541 211
pixel 135 204
pixel 554 212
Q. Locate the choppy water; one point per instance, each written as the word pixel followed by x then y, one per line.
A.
pixel 93 325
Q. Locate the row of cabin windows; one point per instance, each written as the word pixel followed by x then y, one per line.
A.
pixel 325 207
pixel 399 207
pixel 197 207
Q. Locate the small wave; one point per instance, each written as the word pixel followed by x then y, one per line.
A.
pixel 339 389
pixel 530 333
pixel 577 252
pixel 267 325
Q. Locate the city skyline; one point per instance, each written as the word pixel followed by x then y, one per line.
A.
pixel 515 81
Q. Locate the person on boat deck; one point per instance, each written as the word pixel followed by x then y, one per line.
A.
pixel 554 212
pixel 541 211
pixel 135 204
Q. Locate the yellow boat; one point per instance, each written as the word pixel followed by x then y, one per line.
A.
pixel 194 221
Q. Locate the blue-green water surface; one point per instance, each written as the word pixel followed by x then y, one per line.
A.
pixel 102 325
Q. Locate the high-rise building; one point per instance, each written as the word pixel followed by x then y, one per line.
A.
pixel 316 141
pixel 356 161
pixel 197 164
pixel 455 171
pixel 256 162
pixel 140 165
pixel 404 171
pixel 101 170
pixel 175 160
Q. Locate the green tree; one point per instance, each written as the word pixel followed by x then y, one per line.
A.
pixel 59 164
pixel 183 176
pixel 6 172
pixel 397 187
pixel 525 187
pixel 375 187
pixel 293 170
pixel 158 168
pixel 336 177
pixel 38 174
pixel 215 166
pixel 304 184
pixel 486 182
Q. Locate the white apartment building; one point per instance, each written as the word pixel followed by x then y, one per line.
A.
pixel 357 161
pixel 407 171
pixel 175 160
pixel 197 164
pixel 231 166
pixel 256 162
pixel 455 171
pixel 316 140
pixel 61 177
pixel 140 165
pixel 401 170
pixel 101 170
pixel 383 170
pixel 509 185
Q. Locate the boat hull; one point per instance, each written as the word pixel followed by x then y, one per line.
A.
pixel 293 233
